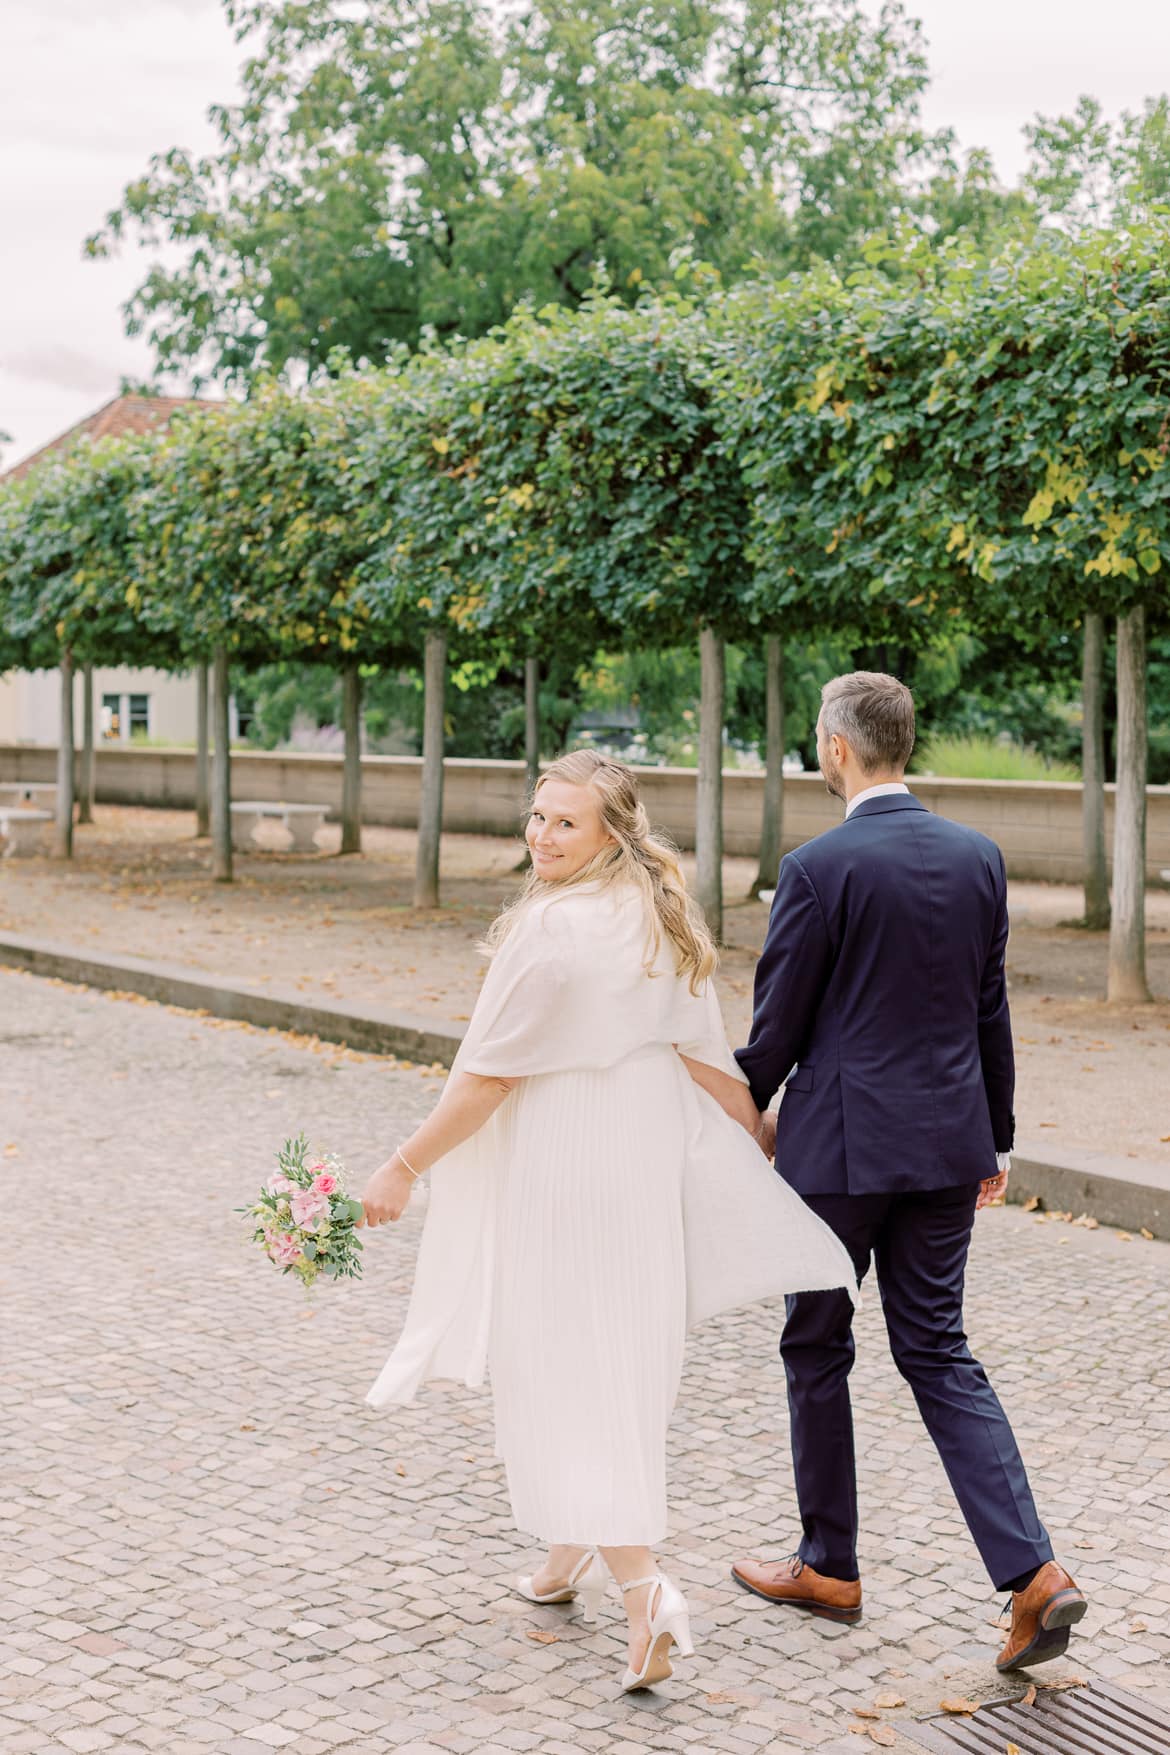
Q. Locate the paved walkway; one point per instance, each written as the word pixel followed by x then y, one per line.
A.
pixel 213 1545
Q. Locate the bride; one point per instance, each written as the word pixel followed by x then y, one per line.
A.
pixel 597 1187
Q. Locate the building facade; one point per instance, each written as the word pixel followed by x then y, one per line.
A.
pixel 127 705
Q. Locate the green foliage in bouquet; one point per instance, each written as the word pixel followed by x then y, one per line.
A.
pixel 304 1220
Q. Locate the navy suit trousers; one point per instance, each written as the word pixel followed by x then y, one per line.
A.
pixel 918 1244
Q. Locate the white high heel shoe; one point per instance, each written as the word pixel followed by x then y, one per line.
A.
pixel 670 1623
pixel 588 1580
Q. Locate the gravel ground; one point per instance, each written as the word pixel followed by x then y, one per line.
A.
pixel 212 1544
pixel 343 931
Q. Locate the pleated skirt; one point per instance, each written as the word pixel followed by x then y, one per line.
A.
pixel 588 1317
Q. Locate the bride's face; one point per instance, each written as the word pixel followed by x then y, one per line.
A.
pixel 565 830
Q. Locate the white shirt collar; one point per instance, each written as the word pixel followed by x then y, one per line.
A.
pixel 885 790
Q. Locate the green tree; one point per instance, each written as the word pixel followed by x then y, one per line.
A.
pixel 1085 170
pixel 395 168
pixel 613 504
pixel 68 588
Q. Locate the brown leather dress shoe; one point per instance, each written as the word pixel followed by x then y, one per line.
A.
pixel 796 1586
pixel 1041 1617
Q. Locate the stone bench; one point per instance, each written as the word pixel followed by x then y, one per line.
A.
pixel 23 830
pixel 301 820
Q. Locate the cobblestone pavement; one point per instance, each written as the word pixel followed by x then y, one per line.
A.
pixel 213 1545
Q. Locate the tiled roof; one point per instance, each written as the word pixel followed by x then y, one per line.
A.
pixel 123 414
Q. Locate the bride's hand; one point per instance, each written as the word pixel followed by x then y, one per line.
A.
pixel 767 1140
pixel 386 1193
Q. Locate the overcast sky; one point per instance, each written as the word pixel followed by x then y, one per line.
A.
pixel 89 89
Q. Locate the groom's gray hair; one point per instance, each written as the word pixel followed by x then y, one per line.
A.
pixel 874 713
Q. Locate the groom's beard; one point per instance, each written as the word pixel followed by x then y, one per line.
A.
pixel 832 778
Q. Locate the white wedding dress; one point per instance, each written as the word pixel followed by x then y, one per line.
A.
pixel 607 1205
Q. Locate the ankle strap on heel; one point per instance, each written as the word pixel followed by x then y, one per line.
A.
pixel 637 1583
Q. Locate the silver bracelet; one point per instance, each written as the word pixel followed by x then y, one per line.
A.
pixel 398 1153
pixel 758 1135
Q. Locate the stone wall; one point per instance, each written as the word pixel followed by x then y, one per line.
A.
pixel 1038 824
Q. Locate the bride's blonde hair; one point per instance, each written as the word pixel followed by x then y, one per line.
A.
pixel 636 855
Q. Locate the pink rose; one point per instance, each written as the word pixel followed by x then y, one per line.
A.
pixel 279 1184
pixel 307 1206
pixel 326 1183
pixel 287 1250
pixel 317 1164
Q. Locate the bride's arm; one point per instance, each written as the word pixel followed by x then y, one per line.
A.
pixel 468 1100
pixel 732 1095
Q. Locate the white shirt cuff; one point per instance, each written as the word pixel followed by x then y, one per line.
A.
pixel 1003 1162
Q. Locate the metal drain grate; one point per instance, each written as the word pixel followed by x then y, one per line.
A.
pixel 1098 1720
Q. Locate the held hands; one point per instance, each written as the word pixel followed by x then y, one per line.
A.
pixel 386 1193
pixel 767 1137
pixel 993 1188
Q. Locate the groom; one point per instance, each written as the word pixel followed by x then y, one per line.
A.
pixel 881 1007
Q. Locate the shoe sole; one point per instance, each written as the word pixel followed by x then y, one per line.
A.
pixel 824 1611
pixel 1059 1614
pixel 658 1667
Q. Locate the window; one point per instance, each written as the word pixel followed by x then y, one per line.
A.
pixel 124 717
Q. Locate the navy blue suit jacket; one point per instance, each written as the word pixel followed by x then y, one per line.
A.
pixel 881 1006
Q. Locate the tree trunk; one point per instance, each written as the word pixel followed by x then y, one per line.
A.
pixel 221 774
pixel 63 829
pixel 1093 773
pixel 85 808
pixel 351 783
pixel 709 791
pixel 531 725
pixel 1127 938
pixel 202 755
pixel 430 804
pixel 772 828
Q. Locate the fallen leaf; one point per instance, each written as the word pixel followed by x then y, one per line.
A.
pixel 1148 1235
pixel 720 1698
pixel 865 1712
pixel 1124 1237
pixel 542 1637
pixel 1012 1749
pixel 1062 1684
pixel 1032 1202
pixel 959 1707
pixel 400 1470
pixel 889 1699
pixel 1137 1626
pixel 12 1150
pixel 886 1735
pixel 247 1428
pixel 1029 1699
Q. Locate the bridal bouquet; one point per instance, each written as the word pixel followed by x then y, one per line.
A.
pixel 304 1220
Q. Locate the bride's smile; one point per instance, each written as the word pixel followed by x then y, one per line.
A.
pixel 566 831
